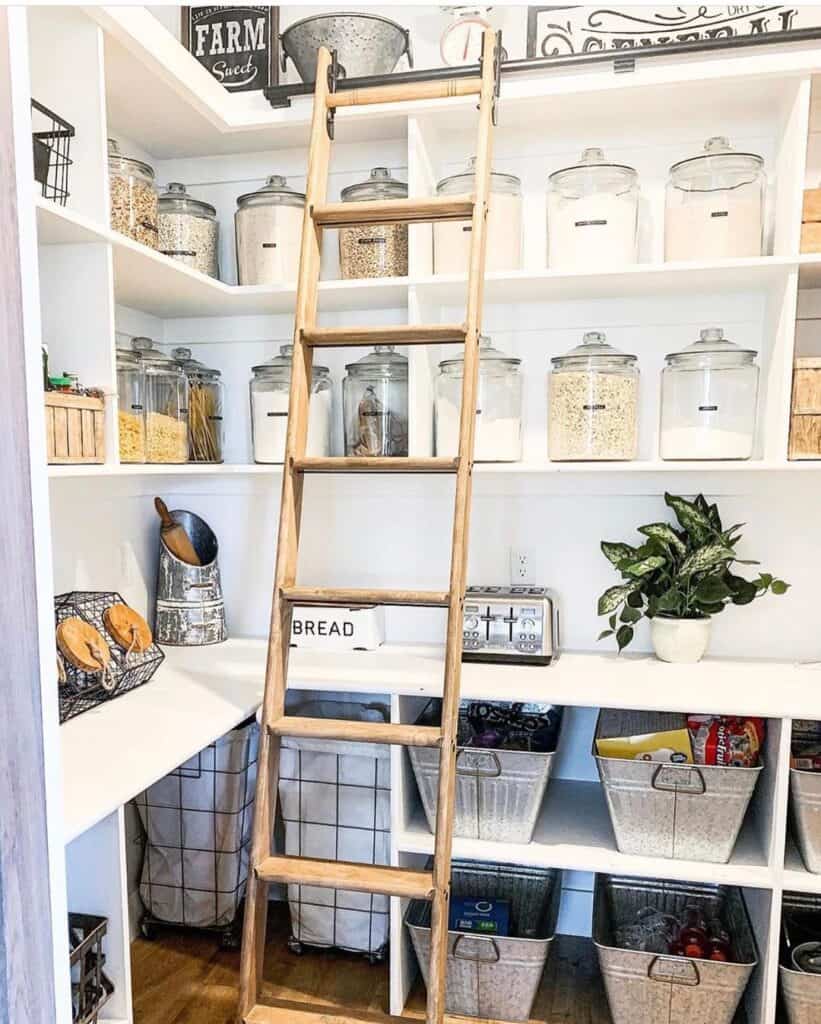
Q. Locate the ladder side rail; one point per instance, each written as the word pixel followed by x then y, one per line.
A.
pixel 461 521
pixel 256 898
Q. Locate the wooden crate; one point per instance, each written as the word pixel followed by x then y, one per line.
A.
pixel 74 428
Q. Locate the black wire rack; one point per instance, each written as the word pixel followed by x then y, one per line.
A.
pixel 51 139
pixel 90 987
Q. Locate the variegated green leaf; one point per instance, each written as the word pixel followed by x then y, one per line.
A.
pixel 615 552
pixel 690 518
pixel 666 534
pixel 705 558
pixel 613 597
pixel 646 565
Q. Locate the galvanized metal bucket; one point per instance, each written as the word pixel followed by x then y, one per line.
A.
pixel 648 988
pixel 190 606
pixel 494 976
pixel 801 990
pixel 659 809
pixel 805 791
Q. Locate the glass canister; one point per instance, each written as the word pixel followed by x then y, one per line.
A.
pixel 709 392
pixel 133 197
pixel 451 239
pixel 268 226
pixel 375 404
pixel 188 230
pixel 498 410
pixel 270 388
pixel 592 214
pixel 714 205
pixel 374 250
pixel 593 403
pixel 206 394
pixel 166 404
pixel 131 405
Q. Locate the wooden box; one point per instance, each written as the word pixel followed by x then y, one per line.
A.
pixel 74 428
pixel 805 417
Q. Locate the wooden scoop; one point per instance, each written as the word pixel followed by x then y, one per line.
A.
pixel 174 536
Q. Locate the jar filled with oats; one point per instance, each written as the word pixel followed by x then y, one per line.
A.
pixel 131 405
pixel 133 197
pixel 166 404
pixel 593 403
pixel 374 250
pixel 189 231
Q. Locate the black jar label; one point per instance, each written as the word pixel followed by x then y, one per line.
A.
pixel 371 241
pixel 708 408
pixel 596 407
pixel 591 223
pixel 720 213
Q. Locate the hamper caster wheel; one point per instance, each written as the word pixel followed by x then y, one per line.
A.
pixel 148 931
pixel 295 946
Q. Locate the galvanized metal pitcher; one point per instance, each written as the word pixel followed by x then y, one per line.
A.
pixel 190 606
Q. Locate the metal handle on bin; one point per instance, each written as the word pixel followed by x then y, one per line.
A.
pixel 491 772
pixel 408 49
pixel 679 778
pixel 675 970
pixel 485 940
pixel 198 586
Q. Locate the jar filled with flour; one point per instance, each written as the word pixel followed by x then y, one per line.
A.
pixel 593 403
pixel 715 205
pixel 592 214
pixel 270 389
pixel 498 407
pixel 268 226
pixel 375 404
pixel 374 250
pixel 709 392
pixel 451 238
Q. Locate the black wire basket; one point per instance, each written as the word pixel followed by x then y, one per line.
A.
pixel 51 138
pixel 80 691
pixel 90 987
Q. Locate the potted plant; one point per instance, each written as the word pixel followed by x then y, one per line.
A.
pixel 679 578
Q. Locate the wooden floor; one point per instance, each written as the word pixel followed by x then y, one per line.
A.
pixel 184 978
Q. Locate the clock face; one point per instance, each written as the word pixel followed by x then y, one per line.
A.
pixel 462 41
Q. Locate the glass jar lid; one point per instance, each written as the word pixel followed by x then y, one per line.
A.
pixel 490 358
pixel 463 182
pixel 711 349
pixel 275 191
pixel 279 367
pixel 152 359
pixel 718 167
pixel 193 367
pixel 382 362
pixel 594 351
pixel 127 358
pixel 593 174
pixel 380 185
pixel 115 156
pixel 177 200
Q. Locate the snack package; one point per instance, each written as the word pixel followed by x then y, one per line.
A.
pixel 727 741
pixel 673 745
pixel 806 746
pixel 489 917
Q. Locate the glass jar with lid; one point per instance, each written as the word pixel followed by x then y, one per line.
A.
pixel 709 393
pixel 592 214
pixel 270 390
pixel 451 238
pixel 166 404
pixel 714 206
pixel 133 197
pixel 205 408
pixel 593 403
pixel 375 404
pixel 374 250
pixel 131 405
pixel 188 230
pixel 268 226
pixel 498 435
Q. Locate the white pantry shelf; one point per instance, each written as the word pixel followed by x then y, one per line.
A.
pixel 796 877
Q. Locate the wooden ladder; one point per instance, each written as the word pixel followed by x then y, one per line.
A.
pixel 433 885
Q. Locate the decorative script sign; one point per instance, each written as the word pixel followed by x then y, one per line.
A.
pixel 236 44
pixel 565 31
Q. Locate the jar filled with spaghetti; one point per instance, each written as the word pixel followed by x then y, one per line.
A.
pixel 205 408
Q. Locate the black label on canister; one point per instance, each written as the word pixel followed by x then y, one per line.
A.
pixel 371 241
pixel 591 223
pixel 708 408
pixel 720 213
pixel 269 245
pixel 597 407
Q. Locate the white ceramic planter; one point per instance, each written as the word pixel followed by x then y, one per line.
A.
pixel 680 640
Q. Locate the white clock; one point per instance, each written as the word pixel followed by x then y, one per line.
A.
pixel 462 40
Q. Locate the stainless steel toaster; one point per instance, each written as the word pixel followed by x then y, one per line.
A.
pixel 514 624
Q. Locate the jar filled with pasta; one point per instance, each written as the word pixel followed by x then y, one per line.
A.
pixel 166 404
pixel 205 408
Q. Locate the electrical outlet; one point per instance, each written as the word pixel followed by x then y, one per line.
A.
pixel 521 565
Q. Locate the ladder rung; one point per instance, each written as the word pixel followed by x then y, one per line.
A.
pixel 406 93
pixel 350 597
pixel 378 464
pixel 394 334
pixel 341 874
pixel 394 211
pixel 357 732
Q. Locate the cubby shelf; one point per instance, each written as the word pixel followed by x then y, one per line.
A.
pixel 796 876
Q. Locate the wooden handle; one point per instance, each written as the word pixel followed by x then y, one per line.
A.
pixel 163 513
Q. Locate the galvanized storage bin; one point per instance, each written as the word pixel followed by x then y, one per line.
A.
pixel 498 792
pixel 661 809
pixel 800 989
pixel 494 977
pixel 805 793
pixel 648 988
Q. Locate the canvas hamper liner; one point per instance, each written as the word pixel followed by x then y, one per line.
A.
pixel 335 803
pixel 647 988
pixel 805 792
pixel 801 989
pixel 681 811
pixel 494 976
